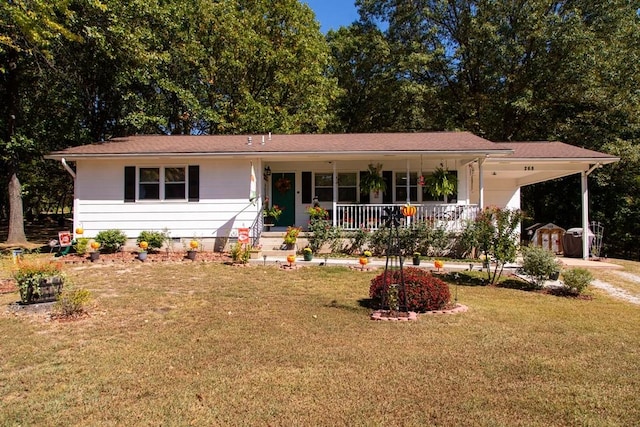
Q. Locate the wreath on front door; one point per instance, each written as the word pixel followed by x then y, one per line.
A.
pixel 283 185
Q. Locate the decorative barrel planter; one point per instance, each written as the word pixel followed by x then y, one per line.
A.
pixel 416 260
pixel 48 291
pixel 191 255
pixel 94 256
pixel 308 256
pixel 142 255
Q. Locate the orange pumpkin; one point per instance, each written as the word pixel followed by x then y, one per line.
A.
pixel 79 230
pixel 408 210
pixel 95 245
pixel 193 244
pixel 143 245
pixel 291 259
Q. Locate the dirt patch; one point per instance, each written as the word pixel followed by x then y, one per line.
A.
pixel 8 286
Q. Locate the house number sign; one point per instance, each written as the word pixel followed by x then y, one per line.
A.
pixel 528 168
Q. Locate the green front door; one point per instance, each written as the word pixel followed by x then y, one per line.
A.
pixel 283 194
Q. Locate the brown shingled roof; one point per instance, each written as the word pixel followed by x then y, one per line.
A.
pixel 300 143
pixel 552 150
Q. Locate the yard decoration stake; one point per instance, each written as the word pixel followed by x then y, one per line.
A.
pixel 391 218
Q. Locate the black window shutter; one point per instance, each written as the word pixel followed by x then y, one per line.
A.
pixel 364 197
pixel 194 183
pixel 387 196
pixel 306 187
pixel 129 184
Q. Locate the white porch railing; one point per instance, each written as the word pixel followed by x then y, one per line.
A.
pixel 451 217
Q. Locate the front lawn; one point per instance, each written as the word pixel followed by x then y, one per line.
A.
pixel 211 344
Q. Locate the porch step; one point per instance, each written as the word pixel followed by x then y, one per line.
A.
pixel 272 244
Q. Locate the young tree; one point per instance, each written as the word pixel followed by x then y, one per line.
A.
pixel 495 233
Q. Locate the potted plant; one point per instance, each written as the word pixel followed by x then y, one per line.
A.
pixel 441 183
pixel 307 253
pixel 372 180
pixel 271 215
pixel 291 236
pixel 38 281
pixel 194 244
pixel 416 258
pixel 142 254
pixel 95 252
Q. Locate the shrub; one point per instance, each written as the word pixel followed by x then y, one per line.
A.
pixel 240 253
pixel 72 302
pixel 320 232
pixel 155 239
pixel 82 243
pixel 358 240
pixel 111 240
pixel 539 263
pixel 576 280
pixel 424 291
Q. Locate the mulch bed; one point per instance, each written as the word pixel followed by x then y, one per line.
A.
pixel 131 257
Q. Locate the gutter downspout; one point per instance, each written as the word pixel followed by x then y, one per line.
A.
pixel 68 168
pixel 585 210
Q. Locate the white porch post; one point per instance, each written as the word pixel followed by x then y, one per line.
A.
pixel 335 194
pixel 408 184
pixel 481 183
pixel 585 214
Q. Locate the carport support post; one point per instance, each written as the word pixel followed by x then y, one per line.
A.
pixel 585 215
pixel 585 210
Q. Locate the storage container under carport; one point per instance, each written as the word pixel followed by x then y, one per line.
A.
pixel 572 242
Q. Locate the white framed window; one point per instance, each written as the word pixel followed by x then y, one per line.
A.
pixel 401 187
pixel 323 186
pixel 347 186
pixel 162 183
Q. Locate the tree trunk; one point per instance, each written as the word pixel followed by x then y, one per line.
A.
pixel 16 216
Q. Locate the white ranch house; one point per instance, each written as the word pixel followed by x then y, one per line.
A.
pixel 199 186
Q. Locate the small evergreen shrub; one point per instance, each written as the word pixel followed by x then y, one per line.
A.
pixel 82 245
pixel 539 263
pixel 72 302
pixel 576 280
pixel 111 240
pixel 155 239
pixel 424 291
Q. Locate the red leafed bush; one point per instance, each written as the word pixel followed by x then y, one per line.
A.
pixel 424 291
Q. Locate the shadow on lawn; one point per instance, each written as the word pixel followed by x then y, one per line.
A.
pixel 476 278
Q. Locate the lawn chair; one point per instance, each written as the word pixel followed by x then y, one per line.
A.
pixel 63 244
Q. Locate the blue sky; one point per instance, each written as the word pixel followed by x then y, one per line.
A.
pixel 333 14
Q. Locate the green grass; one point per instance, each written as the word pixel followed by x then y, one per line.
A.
pixel 210 344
